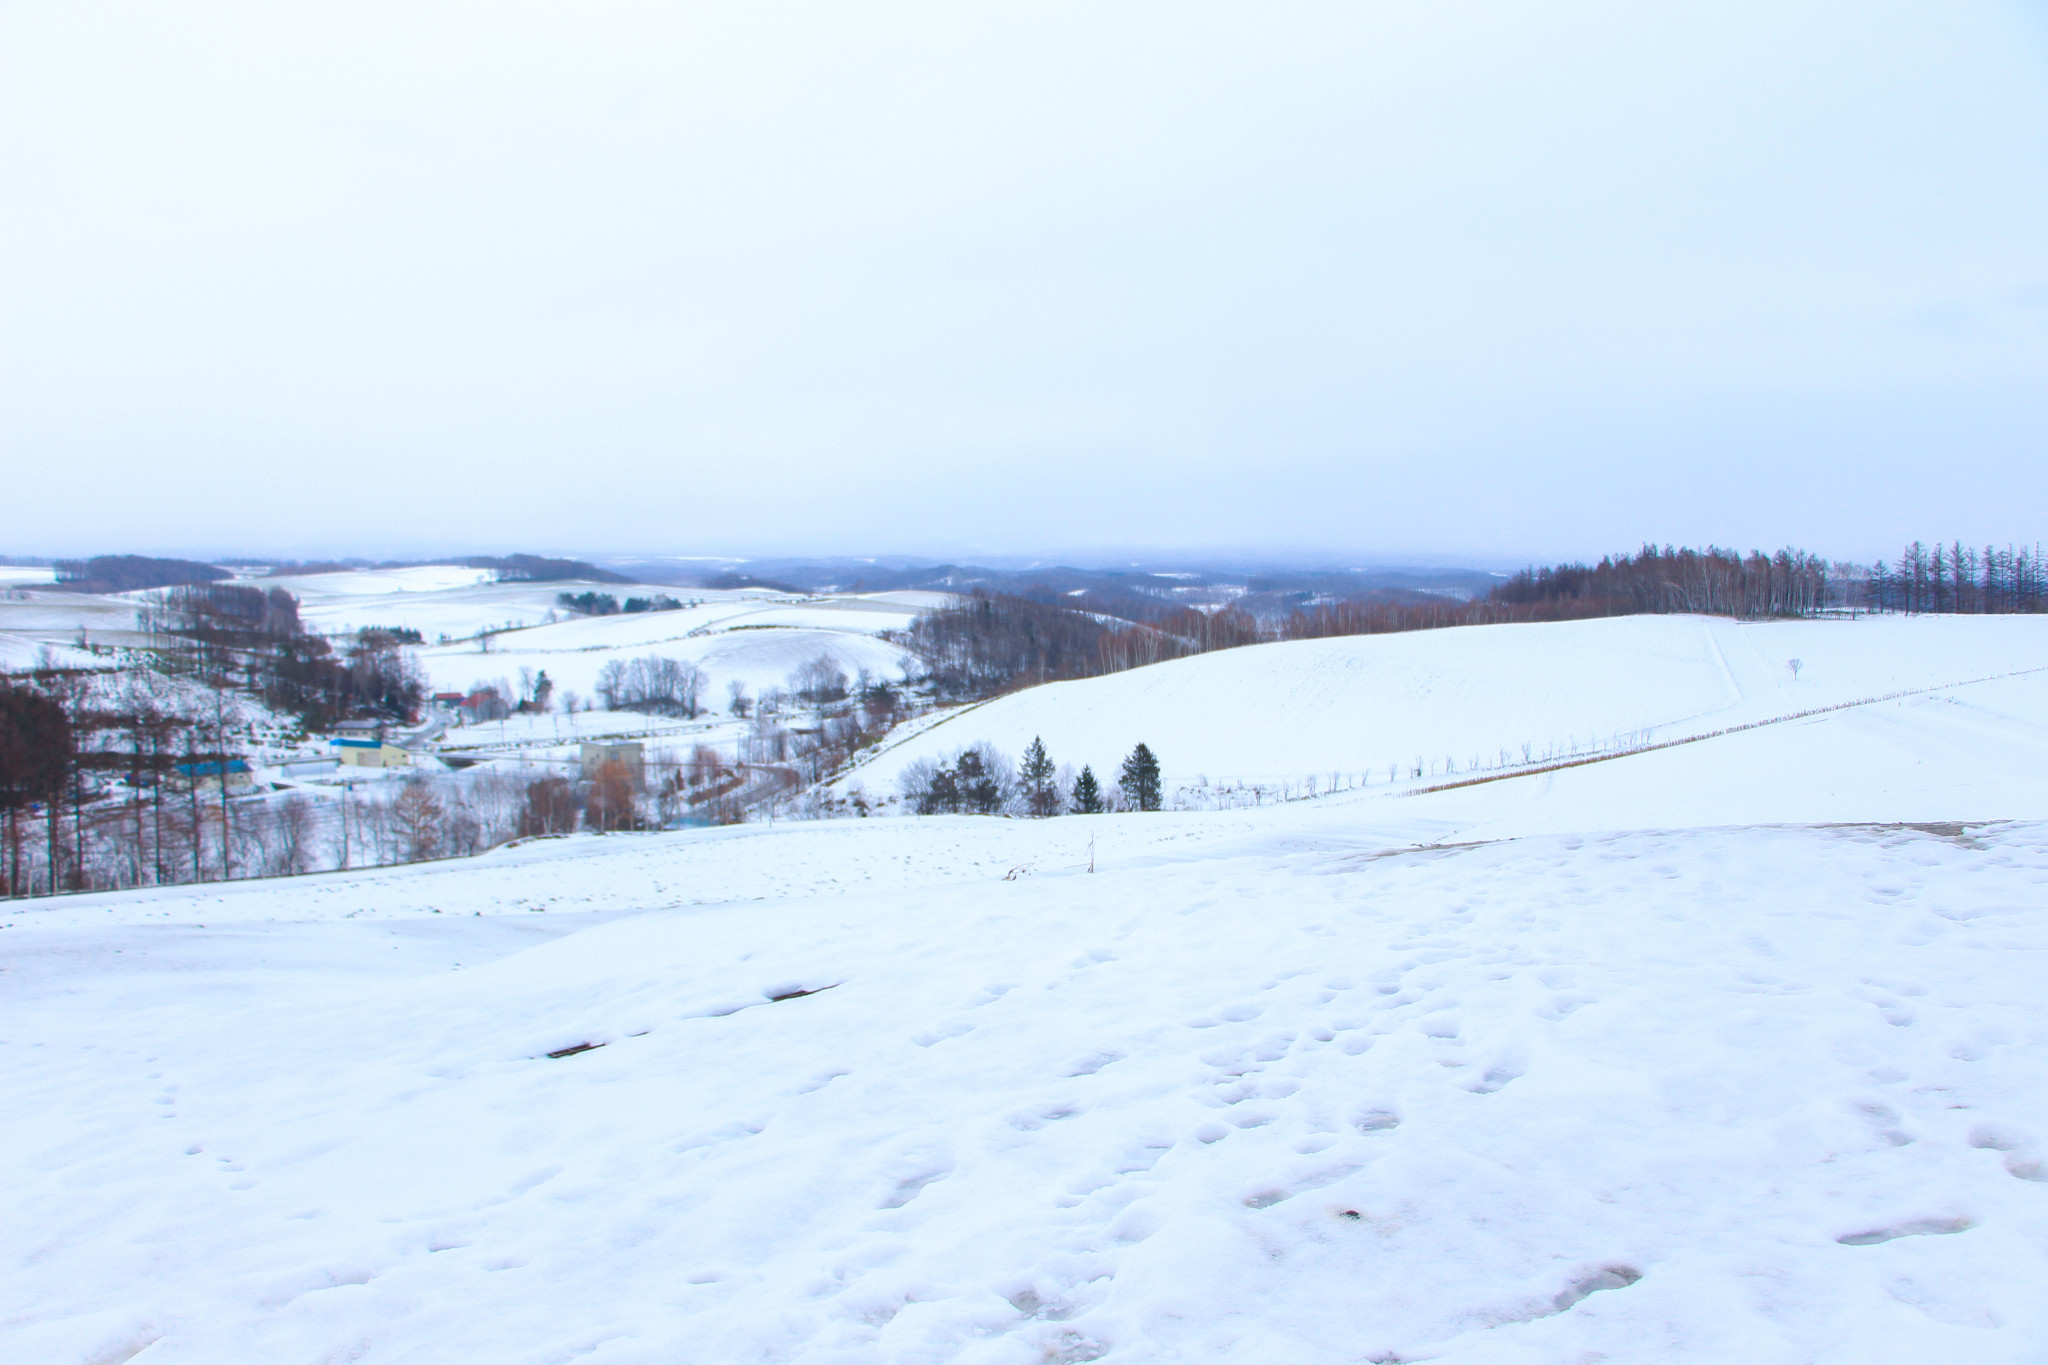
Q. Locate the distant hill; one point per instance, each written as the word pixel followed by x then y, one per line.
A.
pixel 127 573
pixel 1135 593
pixel 540 569
pixel 730 582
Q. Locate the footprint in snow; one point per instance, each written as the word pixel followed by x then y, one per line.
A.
pixel 1315 1180
pixel 1376 1121
pixel 2020 1163
pixel 1030 1121
pixel 1497 1076
pixel 1093 1063
pixel 1918 1227
pixel 910 1187
pixel 933 1037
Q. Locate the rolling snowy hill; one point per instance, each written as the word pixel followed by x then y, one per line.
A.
pixel 1466 700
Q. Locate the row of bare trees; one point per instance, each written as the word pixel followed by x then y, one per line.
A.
pixel 145 840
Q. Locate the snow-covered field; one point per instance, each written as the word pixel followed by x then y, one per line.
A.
pixel 760 657
pixel 1734 1051
pixel 43 614
pixel 20 653
pixel 25 576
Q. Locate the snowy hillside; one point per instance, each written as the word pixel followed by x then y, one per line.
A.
pixel 1471 697
pixel 1734 1051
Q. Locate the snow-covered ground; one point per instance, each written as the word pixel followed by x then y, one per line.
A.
pixel 758 658
pixel 25 576
pixel 21 653
pixel 1733 1051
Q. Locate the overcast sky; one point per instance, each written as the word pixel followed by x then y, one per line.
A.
pixel 1494 280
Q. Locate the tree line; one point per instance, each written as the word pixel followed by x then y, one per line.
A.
pixel 992 642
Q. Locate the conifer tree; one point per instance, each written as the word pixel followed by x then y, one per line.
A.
pixel 1140 779
pixel 1040 795
pixel 1087 793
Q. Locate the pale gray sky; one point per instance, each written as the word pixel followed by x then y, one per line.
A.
pixel 1499 279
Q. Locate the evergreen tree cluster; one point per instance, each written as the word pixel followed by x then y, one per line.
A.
pixel 979 780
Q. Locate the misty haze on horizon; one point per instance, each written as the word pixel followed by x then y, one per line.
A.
pixel 1396 284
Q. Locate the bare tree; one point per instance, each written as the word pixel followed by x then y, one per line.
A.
pixel 416 818
pixel 292 820
pixel 611 804
pixel 550 807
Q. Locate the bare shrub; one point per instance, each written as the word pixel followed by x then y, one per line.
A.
pixel 550 807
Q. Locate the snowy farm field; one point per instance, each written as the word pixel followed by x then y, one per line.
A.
pixel 1730 1051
